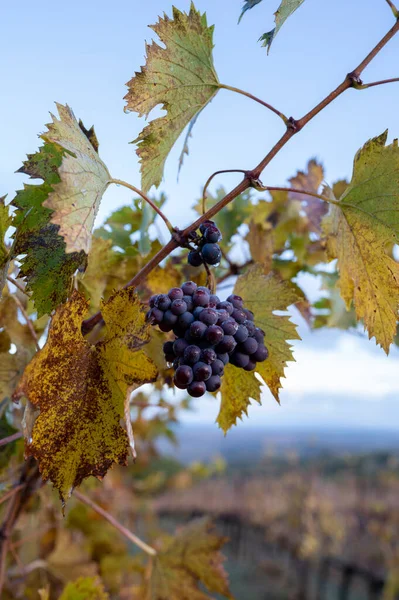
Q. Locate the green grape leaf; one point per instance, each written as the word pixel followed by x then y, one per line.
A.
pixel 5 222
pixel 285 10
pixel 191 558
pixel 80 390
pixel 46 267
pixel 76 198
pixel 180 77
pixel 310 181
pixel 248 4
pixel 360 229
pixel 84 588
pixel 263 294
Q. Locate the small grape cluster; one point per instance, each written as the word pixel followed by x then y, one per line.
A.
pixel 209 334
pixel 207 250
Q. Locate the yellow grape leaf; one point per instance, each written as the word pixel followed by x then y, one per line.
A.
pixel 80 390
pixel 261 244
pixel 190 558
pixel 263 294
pixel 84 588
pixel 5 222
pixel 310 181
pixel 360 229
pixel 238 388
pixel 76 199
pixel 181 77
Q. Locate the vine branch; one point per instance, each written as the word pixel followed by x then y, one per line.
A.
pixel 146 198
pixel 11 438
pixel 17 284
pixel 393 8
pixel 209 181
pixel 123 530
pixel 364 86
pixel 293 127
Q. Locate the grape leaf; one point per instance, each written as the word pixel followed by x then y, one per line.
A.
pixel 181 77
pixel 46 267
pixel 76 198
pixel 360 228
pixel 310 180
pixel 248 4
pixel 80 390
pixel 5 222
pixel 190 558
pixel 238 388
pixel 285 10
pixel 84 588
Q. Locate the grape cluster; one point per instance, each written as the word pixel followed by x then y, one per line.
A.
pixel 209 334
pixel 207 250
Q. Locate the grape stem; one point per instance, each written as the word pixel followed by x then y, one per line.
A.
pixel 267 188
pixel 393 9
pixel 209 181
pixel 364 86
pixel 29 323
pixel 8 440
pixel 17 284
pixel 147 199
pixel 293 127
pixel 262 102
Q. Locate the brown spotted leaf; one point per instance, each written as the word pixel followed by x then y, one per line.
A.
pixel 191 558
pixel 84 588
pixel 84 177
pixel 80 390
pixel 310 181
pixel 361 229
pixel 181 78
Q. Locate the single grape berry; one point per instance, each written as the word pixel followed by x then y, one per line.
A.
pixel 200 298
pixel 185 320
pixel 202 371
pixel 259 335
pixel 236 301
pixel 197 389
pixel 229 326
pixel 223 315
pixel 211 253
pixel 170 358
pixel 250 365
pixel 214 301
pixel 188 288
pixel 204 225
pixel 212 234
pixel 195 258
pixel 226 306
pixel 197 329
pixel 169 319
pixel 152 300
pixel 227 344
pixel 261 354
pixel 208 356
pixel 241 334
pixel 217 367
pixel 183 376
pixel 154 315
pixel 189 301
pixel 239 315
pixel 249 346
pixel 251 327
pixel 239 359
pixel 214 334
pixel 224 357
pixel 209 316
pixel 162 302
pixel 197 311
pixel 249 313
pixel 175 293
pixel 213 383
pixel 191 354
pixel 179 346
pixel 168 348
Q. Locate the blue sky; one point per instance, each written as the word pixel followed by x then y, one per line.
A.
pixel 82 53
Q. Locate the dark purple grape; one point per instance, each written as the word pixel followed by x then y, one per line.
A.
pixel 239 359
pixel 155 315
pixel 189 301
pixel 175 293
pixel 200 298
pixel 203 288
pixel 197 389
pixel 259 335
pixel 179 346
pixel 187 336
pixel 211 253
pixel 226 306
pixel 214 301
pixel 251 327
pixel 170 358
pixel 212 234
pixel 153 300
pixel 249 313
pixel 197 311
pixel 235 300
pixel 184 375
pixel 213 383
pixel 191 354
pixel 209 316
pixel 194 258
pixel 261 354
pixel 185 320
pixel 214 334
pixel 224 357
pixel 178 307
pixel 188 288
pixel 217 367
pixel 208 356
pixel 165 327
pixel 239 315
pixel 227 344
pixel 169 319
pixel 163 302
pixel 202 371
pixel 168 347
pixel 249 346
pixel 176 363
pixel 229 326
pixel 197 329
pixel 180 330
pixel 250 366
pixel 223 315
pixel 204 225
pixel 241 334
